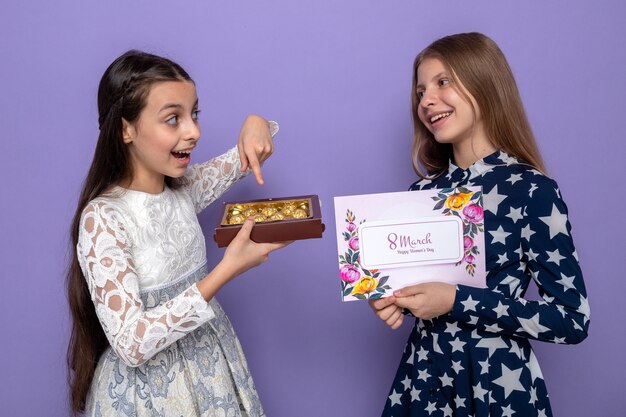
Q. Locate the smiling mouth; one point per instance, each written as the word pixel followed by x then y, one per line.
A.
pixel 440 116
pixel 181 154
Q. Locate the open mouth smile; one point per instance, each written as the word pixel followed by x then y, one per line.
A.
pixel 181 154
pixel 439 116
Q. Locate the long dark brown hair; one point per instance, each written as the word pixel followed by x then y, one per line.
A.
pixel 122 94
pixel 476 62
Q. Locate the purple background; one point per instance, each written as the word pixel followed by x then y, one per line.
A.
pixel 336 75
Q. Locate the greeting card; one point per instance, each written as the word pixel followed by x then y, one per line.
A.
pixel 392 240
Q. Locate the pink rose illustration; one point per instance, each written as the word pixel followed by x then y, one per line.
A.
pixel 467 242
pixel 351 226
pixel 354 243
pixel 349 273
pixel 470 259
pixel 473 213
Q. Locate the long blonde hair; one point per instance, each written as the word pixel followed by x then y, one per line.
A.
pixel 476 62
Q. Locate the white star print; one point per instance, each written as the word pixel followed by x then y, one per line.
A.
pixel 423 374
pixel 447 411
pixel 436 347
pixel 395 398
pixel 499 235
pixel 473 320
pixel 512 282
pixel 517 350
pixel 446 380
pixel 423 183
pixel 492 343
pixel 479 168
pixel 533 366
pixel 533 187
pixel 555 256
pixel 502 259
pixel 527 232
pixel 422 354
pixel 407 383
pixel 510 380
pixel 515 214
pixel 532 326
pixel 479 392
pixel 567 282
pixel 492 200
pixel 457 345
pixel 431 408
pixel 411 356
pixel 542 413
pixel 501 310
pixel 469 304
pixel 452 328
pixel 532 256
pixel 533 395
pixel 456 366
pixel 459 402
pixel 507 411
pixel 484 366
pixel 558 340
pixel 493 328
pixel 507 159
pixel 556 221
pixel 415 394
pixel 514 178
pixel 584 308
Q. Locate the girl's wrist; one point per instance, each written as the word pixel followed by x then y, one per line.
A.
pixel 216 279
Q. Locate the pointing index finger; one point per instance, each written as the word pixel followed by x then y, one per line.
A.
pixel 255 166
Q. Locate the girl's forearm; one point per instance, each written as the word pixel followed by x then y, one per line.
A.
pixel 215 280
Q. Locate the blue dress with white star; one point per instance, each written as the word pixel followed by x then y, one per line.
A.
pixel 477 359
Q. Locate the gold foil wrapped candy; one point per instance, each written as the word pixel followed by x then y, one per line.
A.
pixel 236 219
pixel 267 211
pixel 250 212
pixel 299 214
pixel 277 216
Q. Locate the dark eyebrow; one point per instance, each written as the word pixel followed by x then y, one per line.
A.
pixel 176 106
pixel 441 74
pixel 170 106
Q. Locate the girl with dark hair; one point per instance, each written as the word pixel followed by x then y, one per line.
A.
pixel 148 336
pixel 469 352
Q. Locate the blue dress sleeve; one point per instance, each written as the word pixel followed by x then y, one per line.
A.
pixel 548 256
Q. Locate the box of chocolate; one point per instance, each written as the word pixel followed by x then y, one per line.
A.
pixel 276 219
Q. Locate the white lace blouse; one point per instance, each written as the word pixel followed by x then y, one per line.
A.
pixel 130 241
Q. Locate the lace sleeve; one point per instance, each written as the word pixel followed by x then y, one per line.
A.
pixel 105 259
pixel 207 181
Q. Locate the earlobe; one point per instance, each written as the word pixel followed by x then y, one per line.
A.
pixel 128 131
